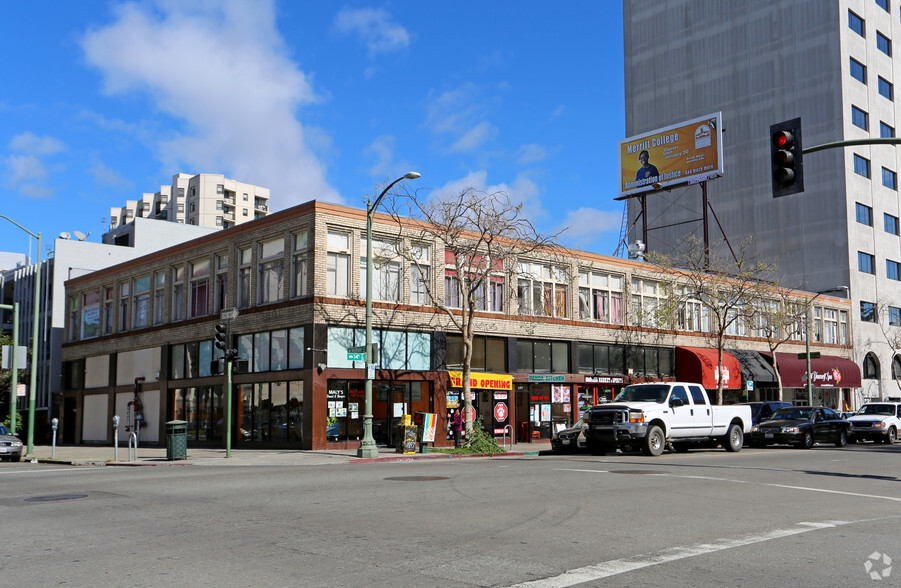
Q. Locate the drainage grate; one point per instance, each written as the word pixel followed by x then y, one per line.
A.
pixel 417 478
pixel 651 472
pixel 55 497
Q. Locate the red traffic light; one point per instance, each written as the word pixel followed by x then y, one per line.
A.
pixel 783 139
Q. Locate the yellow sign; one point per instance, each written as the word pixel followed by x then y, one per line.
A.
pixel 482 381
pixel 686 153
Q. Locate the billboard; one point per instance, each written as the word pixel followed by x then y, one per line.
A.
pixel 686 153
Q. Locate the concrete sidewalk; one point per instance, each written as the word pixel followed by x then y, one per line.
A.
pixel 104 455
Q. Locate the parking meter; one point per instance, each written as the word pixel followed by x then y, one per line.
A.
pixel 116 437
pixel 55 424
pixel 116 423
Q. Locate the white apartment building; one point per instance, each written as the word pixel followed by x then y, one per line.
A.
pixel 760 62
pixel 205 200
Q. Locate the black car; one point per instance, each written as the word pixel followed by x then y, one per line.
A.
pixel 802 426
pixel 762 411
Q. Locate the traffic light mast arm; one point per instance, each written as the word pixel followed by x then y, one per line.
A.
pixel 852 142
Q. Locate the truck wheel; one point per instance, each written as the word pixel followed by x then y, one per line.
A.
pixel 842 439
pixel 654 442
pixel 735 438
pixel 891 436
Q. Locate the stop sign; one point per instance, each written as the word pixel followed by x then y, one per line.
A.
pixel 500 412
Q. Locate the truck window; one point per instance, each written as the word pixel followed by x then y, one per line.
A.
pixel 680 393
pixel 697 394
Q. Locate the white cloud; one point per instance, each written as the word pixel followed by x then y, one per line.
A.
pixel 461 113
pixel 375 28
pixel 27 175
pixel 31 144
pixel 532 153
pixel 585 227
pixel 522 190
pixel 105 176
pixel 474 137
pixel 221 68
pixel 382 150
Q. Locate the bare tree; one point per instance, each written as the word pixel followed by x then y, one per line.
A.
pixel 482 235
pixel 726 287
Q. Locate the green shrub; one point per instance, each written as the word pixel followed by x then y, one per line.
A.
pixel 480 442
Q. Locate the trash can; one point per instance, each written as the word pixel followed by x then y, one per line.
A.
pixel 176 440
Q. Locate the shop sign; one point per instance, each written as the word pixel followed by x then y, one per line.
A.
pixel 544 378
pixel 500 395
pixel 604 380
pixel 482 381
pixel 830 378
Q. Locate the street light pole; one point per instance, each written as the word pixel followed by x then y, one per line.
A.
pixel 367 447
pixel 34 337
pixel 807 339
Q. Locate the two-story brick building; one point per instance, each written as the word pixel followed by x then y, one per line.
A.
pixel 140 338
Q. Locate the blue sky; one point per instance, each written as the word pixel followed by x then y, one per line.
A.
pixel 103 101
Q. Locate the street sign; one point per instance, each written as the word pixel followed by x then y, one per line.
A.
pixel 356 356
pixel 228 314
pixel 357 349
pixel 813 355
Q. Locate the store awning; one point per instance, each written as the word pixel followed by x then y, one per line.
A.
pixel 698 364
pixel 829 371
pixel 754 367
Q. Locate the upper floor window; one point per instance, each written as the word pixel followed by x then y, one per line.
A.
pixel 74 318
pixel 886 131
pixel 647 296
pixel 271 269
pixel 178 293
pixel 385 270
pixel 843 327
pixel 830 325
pixel 245 258
pixel 601 296
pixel 867 312
pixel 859 118
pixel 420 274
pixel 141 304
pixel 124 303
pixel 159 296
pixel 866 262
pixel 883 43
pixel 891 224
pixel 886 90
pixel 889 179
pixel 894 316
pixel 858 71
pixel 200 287
pixel 883 4
pixel 220 188
pixel 864 214
pixel 108 299
pixel 892 270
pixel 220 295
pixel 856 24
pixel 861 166
pixel 90 315
pixel 541 290
pixel 300 262
pixel 337 281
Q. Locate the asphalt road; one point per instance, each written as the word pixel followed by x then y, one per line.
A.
pixel 768 517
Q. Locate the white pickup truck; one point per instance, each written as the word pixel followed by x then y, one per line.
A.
pixel 652 416
pixel 876 421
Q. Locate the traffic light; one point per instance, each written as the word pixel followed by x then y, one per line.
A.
pixel 222 336
pixel 786 158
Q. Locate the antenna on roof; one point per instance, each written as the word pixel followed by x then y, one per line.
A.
pixel 81 236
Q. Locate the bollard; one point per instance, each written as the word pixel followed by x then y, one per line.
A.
pixel 133 438
pixel 55 424
pixel 116 438
pixel 504 440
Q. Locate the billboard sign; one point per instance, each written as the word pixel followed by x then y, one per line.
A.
pixel 686 153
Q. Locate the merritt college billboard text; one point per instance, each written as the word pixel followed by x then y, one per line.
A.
pixel 689 152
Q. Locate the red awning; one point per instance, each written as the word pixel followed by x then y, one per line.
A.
pixel 829 371
pixel 698 364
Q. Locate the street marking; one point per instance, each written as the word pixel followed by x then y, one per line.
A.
pixel 50 470
pixel 621 566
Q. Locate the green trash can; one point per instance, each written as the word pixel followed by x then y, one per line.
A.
pixel 176 440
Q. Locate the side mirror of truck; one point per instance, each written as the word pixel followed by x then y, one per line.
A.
pixel 676 402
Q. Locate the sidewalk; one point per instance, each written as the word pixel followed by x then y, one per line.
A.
pixel 104 455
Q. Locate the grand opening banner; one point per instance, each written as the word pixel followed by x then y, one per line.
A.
pixel 689 152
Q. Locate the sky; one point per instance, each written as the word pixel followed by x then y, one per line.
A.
pixel 101 102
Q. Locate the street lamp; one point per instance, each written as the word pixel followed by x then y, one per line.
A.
pixel 807 338
pixel 367 445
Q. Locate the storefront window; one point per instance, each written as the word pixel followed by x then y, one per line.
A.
pixel 488 354
pixel 542 356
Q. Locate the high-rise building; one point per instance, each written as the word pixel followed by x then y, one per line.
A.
pixel 205 200
pixel 760 62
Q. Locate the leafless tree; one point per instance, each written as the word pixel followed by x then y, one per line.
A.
pixel 482 236
pixel 726 287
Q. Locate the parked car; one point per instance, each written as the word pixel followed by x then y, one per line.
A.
pixel 570 439
pixel 802 426
pixel 11 448
pixel 762 411
pixel 876 421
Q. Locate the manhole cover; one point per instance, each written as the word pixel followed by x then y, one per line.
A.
pixel 652 472
pixel 56 497
pixel 417 478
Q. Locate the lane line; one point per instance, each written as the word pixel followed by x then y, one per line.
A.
pixel 49 471
pixel 629 564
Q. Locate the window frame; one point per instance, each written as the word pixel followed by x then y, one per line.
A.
pixel 861 165
pixel 866 262
pixel 860 118
pixel 864 214
pixel 860 69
